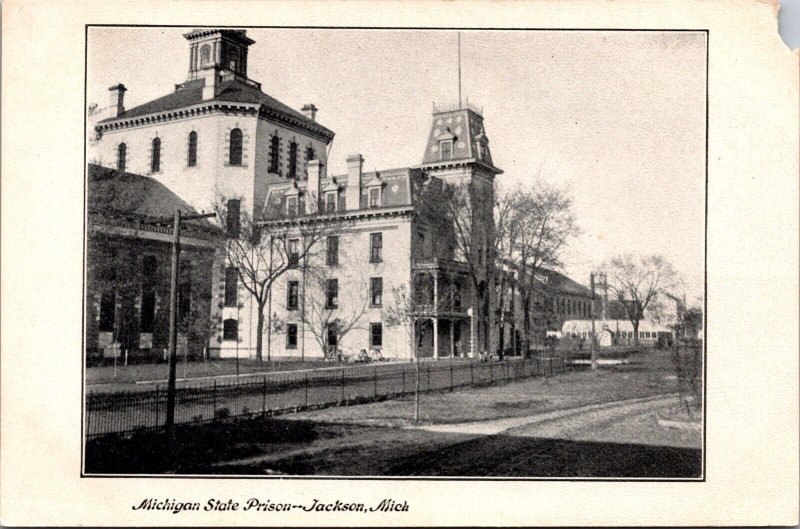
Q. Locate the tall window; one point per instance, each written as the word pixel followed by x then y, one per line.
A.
pixel 294 252
pixel 291 336
pixel 309 153
pixel 292 291
pixel 185 291
pixel 107 307
pixel 192 155
pixel 447 150
pixel 376 248
pixel 292 160
pixel 332 335
pixel 376 335
pixel 233 214
pixel 148 310
pixel 155 159
pixel 330 200
pixel 230 329
pixel 122 151
pixel 375 197
pixel 376 288
pixel 291 206
pixel 274 147
pixel 331 293
pixel 231 286
pixel 236 147
pixel 333 250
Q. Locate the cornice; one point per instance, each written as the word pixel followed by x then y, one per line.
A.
pixel 341 216
pixel 215 107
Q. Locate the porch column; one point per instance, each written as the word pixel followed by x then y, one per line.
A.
pixel 452 345
pixel 435 337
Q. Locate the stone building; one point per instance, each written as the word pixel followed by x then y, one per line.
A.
pixel 128 269
pixel 389 232
pixel 218 137
pixel 555 299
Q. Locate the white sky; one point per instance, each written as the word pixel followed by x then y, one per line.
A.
pixel 617 116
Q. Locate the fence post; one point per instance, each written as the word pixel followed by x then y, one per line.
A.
pixel 305 389
pixel 341 383
pixel 215 399
pixel 158 404
pixel 491 372
pixel 451 375
pixel 471 374
pixel 264 396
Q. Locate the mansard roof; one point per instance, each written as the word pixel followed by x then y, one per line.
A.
pixel 463 125
pixel 398 187
pixel 190 93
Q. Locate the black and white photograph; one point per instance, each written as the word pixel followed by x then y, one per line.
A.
pixel 423 253
pixel 399 263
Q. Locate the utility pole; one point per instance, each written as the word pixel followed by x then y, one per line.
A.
pixel 594 346
pixel 173 307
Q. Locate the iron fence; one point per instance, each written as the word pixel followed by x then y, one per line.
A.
pixel 274 394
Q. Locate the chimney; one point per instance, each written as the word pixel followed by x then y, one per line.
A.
pixel 313 198
pixel 353 191
pixel 118 98
pixel 310 111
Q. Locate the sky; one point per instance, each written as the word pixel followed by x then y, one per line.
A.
pixel 617 117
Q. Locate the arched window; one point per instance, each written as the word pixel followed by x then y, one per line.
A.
pixel 274 146
pixel 236 147
pixel 292 160
pixel 155 160
pixel 205 54
pixel 122 151
pixel 192 157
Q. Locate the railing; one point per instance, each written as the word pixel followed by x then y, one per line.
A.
pixel 128 412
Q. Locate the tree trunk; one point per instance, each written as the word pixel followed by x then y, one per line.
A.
pixel 416 395
pixel 526 324
pixel 260 334
pixel 635 323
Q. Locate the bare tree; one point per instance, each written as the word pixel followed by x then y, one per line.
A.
pixel 320 314
pixel 637 281
pixel 536 225
pixel 261 252
pixel 403 311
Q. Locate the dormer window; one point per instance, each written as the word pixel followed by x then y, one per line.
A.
pixel 375 197
pixel 291 206
pixel 331 197
pixel 446 148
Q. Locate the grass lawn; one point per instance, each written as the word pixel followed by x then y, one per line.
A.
pixel 143 372
pixel 649 375
pixel 376 439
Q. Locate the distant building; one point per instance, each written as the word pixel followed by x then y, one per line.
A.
pixel 616 332
pixel 556 298
pixel 128 269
